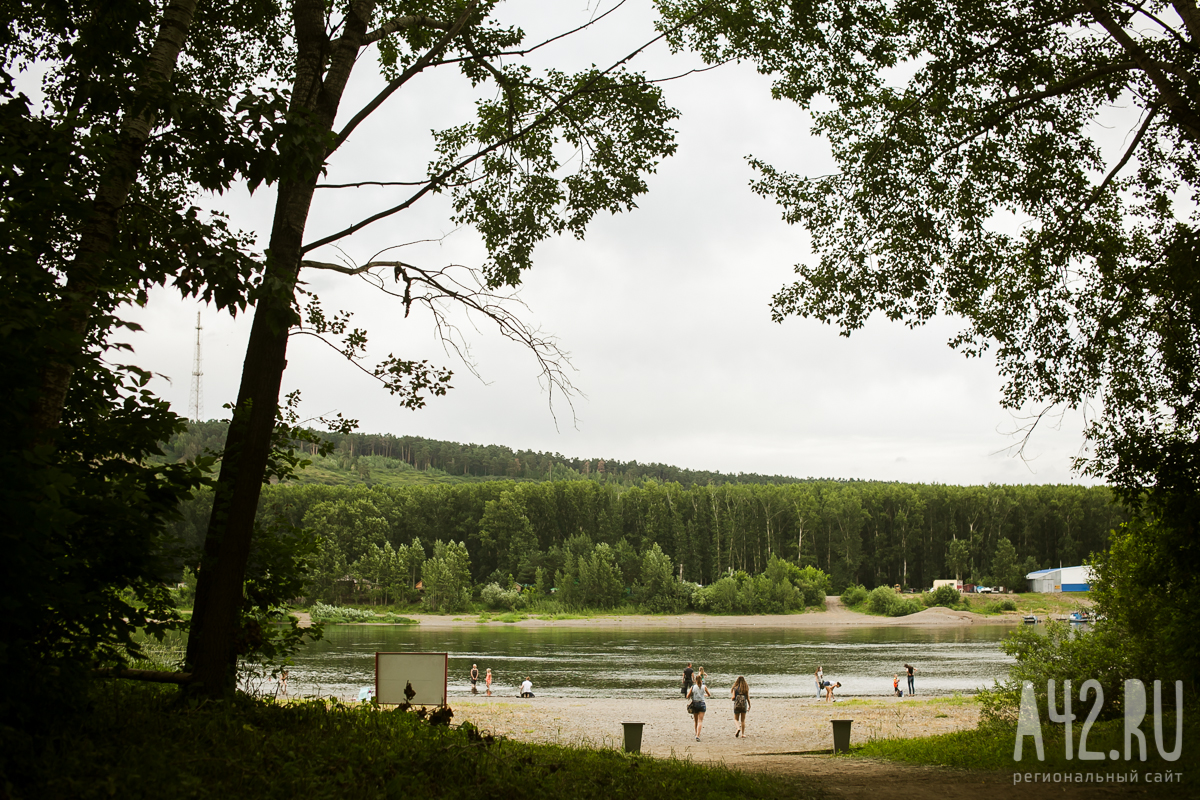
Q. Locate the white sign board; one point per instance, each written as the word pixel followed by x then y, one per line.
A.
pixel 425 674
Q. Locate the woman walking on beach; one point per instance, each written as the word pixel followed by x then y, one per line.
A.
pixel 740 694
pixel 820 681
pixel 488 680
pixel 911 669
pixel 697 705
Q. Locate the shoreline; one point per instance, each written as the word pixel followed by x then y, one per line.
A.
pixel 835 615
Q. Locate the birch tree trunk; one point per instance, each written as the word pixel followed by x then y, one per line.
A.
pixel 85 275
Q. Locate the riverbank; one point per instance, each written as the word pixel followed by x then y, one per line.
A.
pixel 835 615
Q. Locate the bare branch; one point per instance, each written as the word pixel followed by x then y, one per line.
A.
pixel 436 289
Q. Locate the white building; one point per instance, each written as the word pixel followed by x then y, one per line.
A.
pixel 1061 579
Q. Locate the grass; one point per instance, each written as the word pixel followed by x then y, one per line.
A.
pixel 138 741
pixel 991 748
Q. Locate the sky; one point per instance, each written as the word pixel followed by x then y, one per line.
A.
pixel 664 311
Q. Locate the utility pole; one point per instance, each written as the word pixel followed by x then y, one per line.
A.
pixel 197 393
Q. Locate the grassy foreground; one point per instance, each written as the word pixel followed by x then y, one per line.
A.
pixel 136 741
pixel 991 748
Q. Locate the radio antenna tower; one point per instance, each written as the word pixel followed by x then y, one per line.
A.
pixel 197 398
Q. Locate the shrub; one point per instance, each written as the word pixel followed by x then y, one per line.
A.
pixel 493 596
pixel 902 608
pixel 854 595
pixel 996 606
pixel 946 596
pixel 882 599
pixel 323 613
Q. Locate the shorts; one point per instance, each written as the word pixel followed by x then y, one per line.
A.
pixel 699 706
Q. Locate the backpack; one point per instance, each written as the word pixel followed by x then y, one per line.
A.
pixel 741 703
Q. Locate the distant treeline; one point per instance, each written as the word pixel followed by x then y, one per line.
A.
pixel 364 457
pixel 859 533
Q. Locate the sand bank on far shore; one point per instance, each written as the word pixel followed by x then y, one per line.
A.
pixel 835 616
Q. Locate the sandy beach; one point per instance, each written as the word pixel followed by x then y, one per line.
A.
pixel 773 725
pixel 834 616
pixel 788 737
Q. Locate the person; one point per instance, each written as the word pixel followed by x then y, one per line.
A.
pixel 687 679
pixel 487 679
pixel 474 679
pixel 696 695
pixel 740 694
pixel 911 669
pixel 896 685
pixel 829 687
pixel 283 683
pixel 527 687
pixel 820 681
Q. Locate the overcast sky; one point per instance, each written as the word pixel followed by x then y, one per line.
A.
pixel 664 311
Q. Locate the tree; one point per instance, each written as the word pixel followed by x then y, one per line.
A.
pixel 958 558
pixel 100 176
pixel 1004 566
pixel 976 177
pixel 447 577
pixel 504 175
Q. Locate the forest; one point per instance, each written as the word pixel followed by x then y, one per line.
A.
pixel 373 458
pixel 533 532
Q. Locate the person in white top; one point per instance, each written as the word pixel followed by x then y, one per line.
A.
pixel 696 695
pixel 527 687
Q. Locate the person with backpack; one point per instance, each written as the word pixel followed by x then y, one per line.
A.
pixel 740 694
pixel 696 705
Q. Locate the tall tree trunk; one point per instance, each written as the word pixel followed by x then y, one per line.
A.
pixel 85 274
pixel 212 646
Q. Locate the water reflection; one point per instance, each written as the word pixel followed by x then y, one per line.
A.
pixel 577 662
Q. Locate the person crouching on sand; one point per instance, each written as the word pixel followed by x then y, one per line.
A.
pixel 697 694
pixel 829 687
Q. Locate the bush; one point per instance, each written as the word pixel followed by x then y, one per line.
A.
pixel 493 596
pixel 996 606
pixel 854 595
pixel 882 600
pixel 946 596
pixel 902 608
pixel 323 613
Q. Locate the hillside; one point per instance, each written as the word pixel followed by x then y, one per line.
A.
pixel 387 460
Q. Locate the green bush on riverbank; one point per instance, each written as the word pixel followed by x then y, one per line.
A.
pixel 136 741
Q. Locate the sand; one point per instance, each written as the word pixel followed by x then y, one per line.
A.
pixel 788 737
pixel 773 725
pixel 835 616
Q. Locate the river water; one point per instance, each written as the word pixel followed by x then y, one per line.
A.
pixel 593 663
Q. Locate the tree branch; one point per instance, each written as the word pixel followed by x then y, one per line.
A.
pixel 399 23
pixel 439 179
pixel 153 676
pixel 1191 16
pixel 1171 98
pixel 416 67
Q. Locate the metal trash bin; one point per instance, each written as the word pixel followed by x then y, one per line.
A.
pixel 633 736
pixel 841 735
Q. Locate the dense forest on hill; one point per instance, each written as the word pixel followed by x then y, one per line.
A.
pixel 857 532
pixel 385 459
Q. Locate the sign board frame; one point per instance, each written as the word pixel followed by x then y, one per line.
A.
pixel 427 673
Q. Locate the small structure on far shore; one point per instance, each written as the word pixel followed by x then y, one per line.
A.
pixel 1061 579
